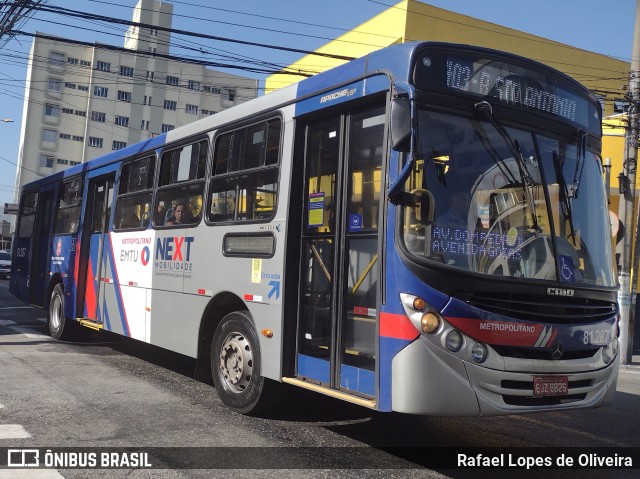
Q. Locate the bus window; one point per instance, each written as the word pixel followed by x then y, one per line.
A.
pixel 181 185
pixel 69 207
pixel 245 182
pixel 28 215
pixel 133 206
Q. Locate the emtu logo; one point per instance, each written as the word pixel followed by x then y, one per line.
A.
pixel 174 248
pixel 145 256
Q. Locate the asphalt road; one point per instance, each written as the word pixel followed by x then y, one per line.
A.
pixel 106 391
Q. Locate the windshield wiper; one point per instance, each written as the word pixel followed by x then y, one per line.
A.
pixel 484 108
pixel 565 194
pixel 580 157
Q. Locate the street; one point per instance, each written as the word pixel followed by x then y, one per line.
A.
pixel 107 391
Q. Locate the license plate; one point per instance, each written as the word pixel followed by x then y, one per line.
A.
pixel 550 385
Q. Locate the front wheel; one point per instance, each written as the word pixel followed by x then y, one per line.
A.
pixel 236 366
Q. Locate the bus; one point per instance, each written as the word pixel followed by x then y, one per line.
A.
pixel 421 230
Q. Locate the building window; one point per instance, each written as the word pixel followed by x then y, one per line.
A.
pixel 62 162
pixel 98 116
pixel 124 96
pixel 73 163
pixel 54 84
pixel 65 136
pixel 126 71
pixel 83 87
pixel 147 100
pixel 153 32
pixel 85 63
pixel 193 85
pixel 122 120
pixel 118 145
pixel 51 110
pixel 56 58
pixel 80 113
pixel 152 50
pixel 144 125
pixel 49 136
pixel 103 66
pixel 100 91
pixel 170 105
pixel 192 109
pixel 67 110
pixel 166 128
pixel 149 75
pixel 229 94
pixel 173 80
pixel 46 161
pixel 70 85
pixel 95 142
pixel 77 138
pixel 73 61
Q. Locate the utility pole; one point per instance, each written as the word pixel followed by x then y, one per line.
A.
pixel 626 296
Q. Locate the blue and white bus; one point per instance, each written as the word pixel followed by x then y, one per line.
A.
pixel 421 230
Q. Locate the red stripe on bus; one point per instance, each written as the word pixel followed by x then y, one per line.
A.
pixel 397 326
pixel 90 293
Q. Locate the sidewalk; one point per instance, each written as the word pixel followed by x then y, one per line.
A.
pixel 634 364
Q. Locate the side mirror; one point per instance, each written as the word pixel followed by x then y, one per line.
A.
pixel 401 124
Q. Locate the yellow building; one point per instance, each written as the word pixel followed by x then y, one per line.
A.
pixel 410 20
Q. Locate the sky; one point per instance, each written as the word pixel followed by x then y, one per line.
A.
pixel 602 26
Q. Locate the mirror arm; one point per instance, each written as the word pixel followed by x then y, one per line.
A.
pixel 400 89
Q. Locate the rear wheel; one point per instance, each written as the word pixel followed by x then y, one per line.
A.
pixel 58 326
pixel 236 366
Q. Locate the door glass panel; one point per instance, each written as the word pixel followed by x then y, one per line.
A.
pixel 323 143
pixel 360 285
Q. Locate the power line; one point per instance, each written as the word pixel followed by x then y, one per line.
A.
pixel 92 16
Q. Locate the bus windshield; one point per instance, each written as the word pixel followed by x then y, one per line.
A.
pixel 471 204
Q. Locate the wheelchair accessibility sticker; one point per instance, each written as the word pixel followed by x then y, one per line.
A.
pixel 567 271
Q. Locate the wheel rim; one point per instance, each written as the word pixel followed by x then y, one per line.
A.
pixel 55 313
pixel 236 362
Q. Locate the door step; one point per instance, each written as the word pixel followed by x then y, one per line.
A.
pixel 370 403
pixel 89 323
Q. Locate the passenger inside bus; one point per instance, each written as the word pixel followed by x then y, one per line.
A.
pixel 181 215
pixel 159 215
pixel 130 220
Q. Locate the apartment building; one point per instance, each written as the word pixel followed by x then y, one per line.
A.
pixel 83 101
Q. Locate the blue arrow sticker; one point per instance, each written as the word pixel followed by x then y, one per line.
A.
pixel 275 289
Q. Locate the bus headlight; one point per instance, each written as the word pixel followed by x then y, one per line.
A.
pixel 429 322
pixel 479 353
pixel 425 319
pixel 454 341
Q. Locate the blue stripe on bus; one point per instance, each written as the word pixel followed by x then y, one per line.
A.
pixel 356 379
pixel 315 368
pixel 117 289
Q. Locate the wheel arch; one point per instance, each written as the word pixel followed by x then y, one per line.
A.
pixel 219 306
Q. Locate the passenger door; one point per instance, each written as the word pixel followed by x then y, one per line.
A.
pixel 95 247
pixel 339 264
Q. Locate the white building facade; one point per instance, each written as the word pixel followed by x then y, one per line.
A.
pixel 82 102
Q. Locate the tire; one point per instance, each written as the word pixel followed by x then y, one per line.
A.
pixel 236 365
pixel 58 327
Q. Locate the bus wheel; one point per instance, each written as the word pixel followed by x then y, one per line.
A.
pixel 56 313
pixel 235 366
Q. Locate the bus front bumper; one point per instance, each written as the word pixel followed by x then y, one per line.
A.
pixel 428 380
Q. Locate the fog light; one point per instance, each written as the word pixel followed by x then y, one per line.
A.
pixel 479 352
pixel 430 322
pixel 454 341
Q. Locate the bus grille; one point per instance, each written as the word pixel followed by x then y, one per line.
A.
pixel 547 309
